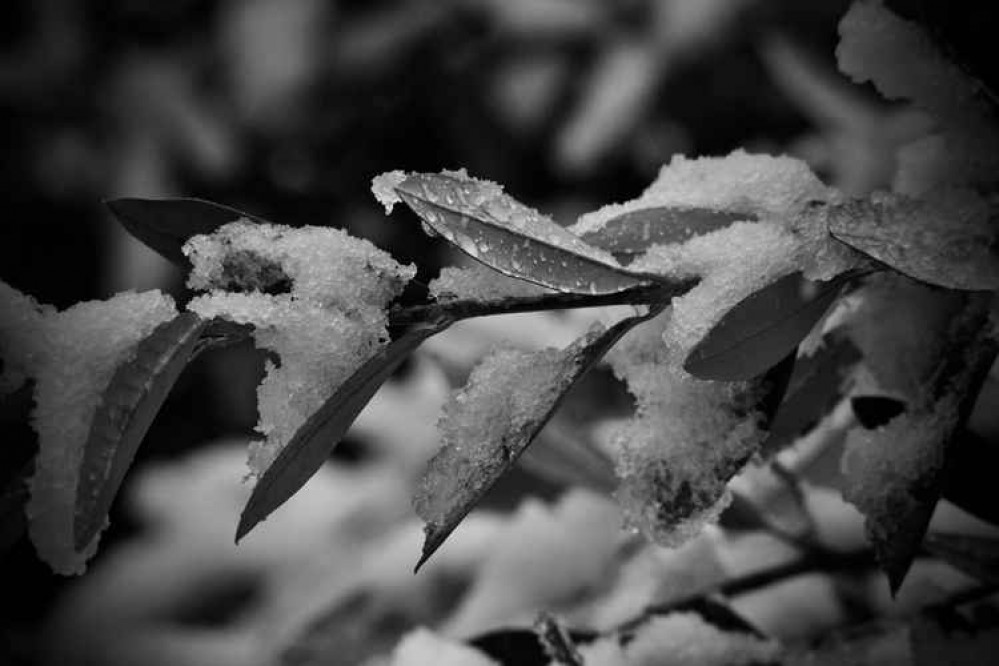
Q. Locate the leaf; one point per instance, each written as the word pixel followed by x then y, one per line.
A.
pixel 815 388
pixel 631 234
pixel 762 328
pixel 312 444
pixel 521 647
pixel 947 240
pixel 970 476
pixel 873 411
pixel 127 409
pixel 487 426
pixel 895 474
pixel 505 235
pixel 976 556
pixel 567 456
pixel 166 224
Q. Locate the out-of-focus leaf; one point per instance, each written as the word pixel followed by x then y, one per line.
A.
pixel 461 472
pixel 873 411
pixel 504 234
pixel 970 476
pixel 521 647
pixel 948 241
pixel 974 555
pixel 815 387
pixel 359 627
pixel 720 615
pixel 557 642
pixel 166 224
pixel 311 445
pixel 127 409
pixel 566 455
pixel 761 329
pixel 631 234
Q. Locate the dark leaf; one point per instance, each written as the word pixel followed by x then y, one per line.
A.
pixel 512 238
pixel 970 476
pixel 166 224
pixel 762 329
pixel 945 241
pixel 129 404
pixel 460 473
pixel 521 647
pixel 312 444
pixel 632 234
pixel 974 555
pixel 873 411
pixel 815 387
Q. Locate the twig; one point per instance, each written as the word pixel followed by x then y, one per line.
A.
pixel 646 294
pixel 816 560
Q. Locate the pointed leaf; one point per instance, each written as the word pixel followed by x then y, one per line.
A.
pixel 488 425
pixel 894 474
pixel 758 332
pixel 502 233
pixel 976 556
pixel 815 388
pixel 129 404
pixel 949 240
pixel 312 444
pixel 166 224
pixel 631 234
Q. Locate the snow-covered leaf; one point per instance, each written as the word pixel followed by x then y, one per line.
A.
pixel 630 234
pixel 948 241
pixel 486 426
pixel 976 556
pixel 815 387
pixel 894 474
pixel 312 443
pixel 127 409
pixel 495 229
pixel 166 224
pixel 761 329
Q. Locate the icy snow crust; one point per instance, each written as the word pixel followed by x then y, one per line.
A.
pixel 72 355
pixel 499 399
pixel 479 282
pixel 329 322
pixel 690 436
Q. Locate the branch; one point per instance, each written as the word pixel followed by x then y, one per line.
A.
pixel 456 310
pixel 816 560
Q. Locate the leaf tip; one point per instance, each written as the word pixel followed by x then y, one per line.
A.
pixel 247 521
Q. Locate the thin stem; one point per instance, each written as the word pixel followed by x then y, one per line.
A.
pixel 646 294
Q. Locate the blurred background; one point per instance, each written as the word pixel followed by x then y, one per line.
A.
pixel 288 108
